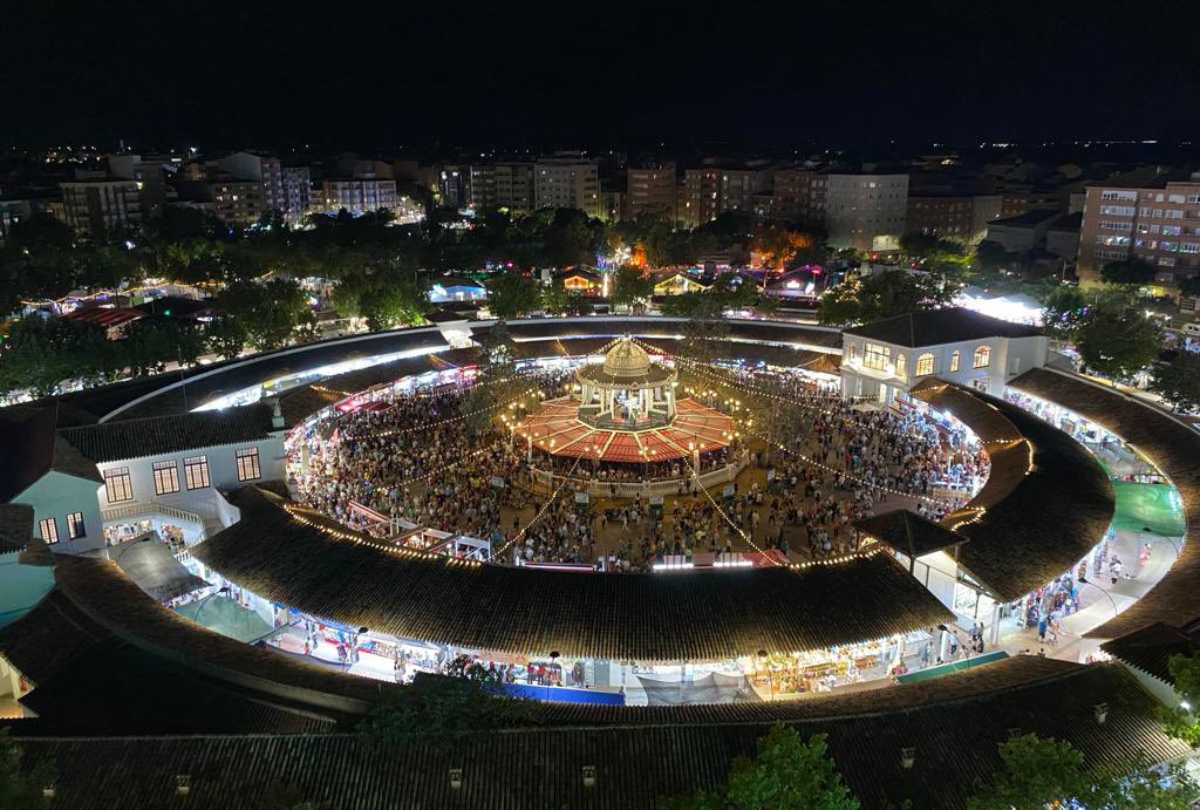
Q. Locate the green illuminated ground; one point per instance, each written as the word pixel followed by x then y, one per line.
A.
pixel 1148 507
pixel 227 618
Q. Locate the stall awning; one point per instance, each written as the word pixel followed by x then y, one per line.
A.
pixel 154 568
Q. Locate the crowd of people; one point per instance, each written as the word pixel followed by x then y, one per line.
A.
pixel 827 463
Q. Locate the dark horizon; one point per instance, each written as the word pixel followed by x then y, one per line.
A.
pixel 854 77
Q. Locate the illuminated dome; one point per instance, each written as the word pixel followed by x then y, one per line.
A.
pixel 626 359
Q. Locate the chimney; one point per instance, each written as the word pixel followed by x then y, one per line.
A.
pixel 456 778
pixel 908 756
pixel 589 776
pixel 183 784
pixel 1100 710
pixel 276 415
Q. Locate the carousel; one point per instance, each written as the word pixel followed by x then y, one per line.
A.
pixel 625 410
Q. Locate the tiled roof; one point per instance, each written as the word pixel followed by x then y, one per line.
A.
pixel 1046 503
pixel 158 435
pixel 1175 449
pixel 909 533
pixel 938 326
pixel 1150 649
pixel 16 526
pixel 648 617
pixel 30 448
pixel 956 749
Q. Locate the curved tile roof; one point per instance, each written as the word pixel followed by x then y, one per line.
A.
pixel 647 617
pixel 1046 503
pixel 1175 449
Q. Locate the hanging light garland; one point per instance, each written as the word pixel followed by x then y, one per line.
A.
pixel 538 516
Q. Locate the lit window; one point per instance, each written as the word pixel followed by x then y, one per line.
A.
pixel 901 366
pixel 983 357
pixel 166 478
pixel 195 472
pixel 925 364
pixel 75 527
pixel 877 357
pixel 954 358
pixel 49 530
pixel 247 464
pixel 118 487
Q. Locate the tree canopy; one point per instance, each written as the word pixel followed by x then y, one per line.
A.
pixel 1178 381
pixel 1118 340
pixel 859 299
pixel 1132 271
pixel 788 773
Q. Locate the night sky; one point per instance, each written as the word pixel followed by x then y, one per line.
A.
pixel 538 75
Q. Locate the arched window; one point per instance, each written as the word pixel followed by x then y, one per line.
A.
pixel 853 354
pixel 901 366
pixel 983 357
pixel 954 359
pixel 925 364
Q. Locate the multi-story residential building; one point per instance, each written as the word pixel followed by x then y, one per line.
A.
pixel 297 193
pixel 957 217
pixel 514 187
pixel 800 196
pixel 358 195
pixel 866 211
pixel 612 202
pixel 650 190
pixel 453 186
pixel 701 201
pixel 267 172
pixel 567 182
pixel 1160 225
pixel 481 186
pixel 237 202
pixel 739 187
pixel 149 172
pixel 98 207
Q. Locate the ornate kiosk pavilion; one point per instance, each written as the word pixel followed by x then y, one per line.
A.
pixel 625 410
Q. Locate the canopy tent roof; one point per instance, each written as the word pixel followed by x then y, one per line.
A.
pixel 909 533
pixel 557 429
pixel 154 568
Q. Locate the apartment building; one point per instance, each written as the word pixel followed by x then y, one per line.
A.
pixel 701 201
pixel 265 170
pixel 514 186
pixel 149 172
pixel 650 190
pixel 567 182
pixel 237 202
pixel 799 196
pixel 1160 225
pixel 866 212
pixel 739 188
pixel 97 207
pixel 297 193
pixel 358 195
pixel 957 217
pixel 481 186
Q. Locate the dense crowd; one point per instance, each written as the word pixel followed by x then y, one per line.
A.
pixel 827 464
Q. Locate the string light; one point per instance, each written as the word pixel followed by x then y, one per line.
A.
pixel 728 519
pixel 360 539
pixel 545 506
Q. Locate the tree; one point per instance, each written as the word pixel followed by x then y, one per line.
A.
pixel 555 299
pixel 788 772
pixel 1064 311
pixel 269 312
pixel 893 292
pixel 21 789
pixel 225 337
pixel 1040 773
pixel 631 288
pixel 1117 341
pixel 1190 286
pixel 1035 772
pixel 1178 382
pixel 40 354
pixel 399 302
pixel 435 706
pixel 1179 722
pixel 1133 271
pixel 510 295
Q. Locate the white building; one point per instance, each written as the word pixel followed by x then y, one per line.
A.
pixel 97 485
pixel 882 359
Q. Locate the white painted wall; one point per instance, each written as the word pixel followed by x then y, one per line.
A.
pixel 1010 357
pixel 222 472
pixel 56 495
